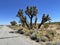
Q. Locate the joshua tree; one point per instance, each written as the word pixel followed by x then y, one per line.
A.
pixel 22 17
pixel 44 19
pixel 31 12
pixel 13 23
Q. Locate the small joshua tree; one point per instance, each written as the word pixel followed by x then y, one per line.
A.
pixel 44 19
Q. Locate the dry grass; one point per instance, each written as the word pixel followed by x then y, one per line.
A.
pixel 40 32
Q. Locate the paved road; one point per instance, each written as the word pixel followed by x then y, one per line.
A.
pixel 7 38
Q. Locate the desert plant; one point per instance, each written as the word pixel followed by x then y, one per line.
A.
pixel 44 19
pixel 49 43
pixel 31 12
pixel 41 37
pixel 21 31
pixel 57 43
pixel 20 15
pixel 22 18
pixel 50 34
pixel 46 25
pixel 13 23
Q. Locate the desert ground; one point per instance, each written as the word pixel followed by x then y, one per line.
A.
pixel 54 27
pixel 7 38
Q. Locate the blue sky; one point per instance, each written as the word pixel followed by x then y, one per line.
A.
pixel 9 9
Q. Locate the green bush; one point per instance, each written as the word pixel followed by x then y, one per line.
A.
pixel 13 23
pixel 46 25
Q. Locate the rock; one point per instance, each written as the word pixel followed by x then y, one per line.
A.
pixel 33 36
pixel 21 32
pixel 11 32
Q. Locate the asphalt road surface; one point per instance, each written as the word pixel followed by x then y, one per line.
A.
pixel 7 38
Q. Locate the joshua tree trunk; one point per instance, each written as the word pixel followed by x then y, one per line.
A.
pixel 31 22
pixel 27 25
pixel 40 25
pixel 35 21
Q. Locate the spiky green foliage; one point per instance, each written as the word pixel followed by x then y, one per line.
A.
pixel 31 12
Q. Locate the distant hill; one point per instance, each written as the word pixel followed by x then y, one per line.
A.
pixel 54 22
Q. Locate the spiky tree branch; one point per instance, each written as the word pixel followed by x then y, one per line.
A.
pixel 45 18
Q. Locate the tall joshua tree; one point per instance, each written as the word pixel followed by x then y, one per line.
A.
pixel 45 18
pixel 31 12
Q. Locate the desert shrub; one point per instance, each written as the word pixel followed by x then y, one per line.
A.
pixel 50 38
pixel 29 32
pixel 50 34
pixel 35 35
pixel 13 23
pixel 20 31
pixel 42 39
pixel 38 35
pixel 46 25
pixel 49 43
pixel 57 43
